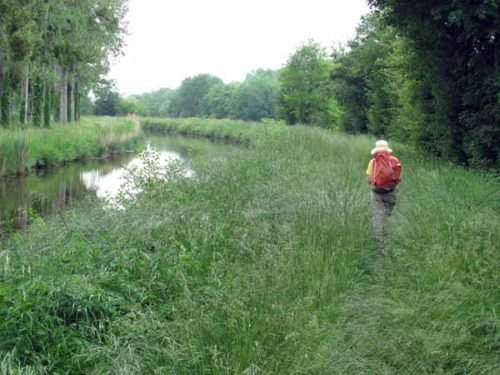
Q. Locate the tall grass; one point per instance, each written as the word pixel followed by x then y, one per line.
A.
pixel 432 307
pixel 263 262
pixel 22 150
pixel 235 131
pixel 14 156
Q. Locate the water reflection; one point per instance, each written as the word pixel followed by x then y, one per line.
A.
pixel 50 192
pixel 107 186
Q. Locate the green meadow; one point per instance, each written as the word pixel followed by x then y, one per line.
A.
pixel 261 262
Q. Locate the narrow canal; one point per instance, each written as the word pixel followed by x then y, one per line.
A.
pixel 49 192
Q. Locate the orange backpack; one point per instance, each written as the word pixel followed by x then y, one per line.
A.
pixel 386 172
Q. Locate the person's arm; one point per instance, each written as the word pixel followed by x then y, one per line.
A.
pixel 369 171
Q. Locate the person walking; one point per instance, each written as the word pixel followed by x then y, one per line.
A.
pixel 384 174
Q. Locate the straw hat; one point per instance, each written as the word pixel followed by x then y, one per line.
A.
pixel 381 146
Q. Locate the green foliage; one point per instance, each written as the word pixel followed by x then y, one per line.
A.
pixel 21 150
pixel 188 99
pixel 156 103
pixel 256 96
pixel 131 106
pixel 251 100
pixel 47 106
pixel 77 37
pixel 404 77
pixel 221 101
pixel 207 96
pixel 86 106
pixel 364 78
pixel 456 44
pixel 38 102
pixel 431 307
pixel 47 313
pixel 305 92
pixel 107 99
pixel 262 261
pixel 14 156
pixel 5 102
pixel 235 131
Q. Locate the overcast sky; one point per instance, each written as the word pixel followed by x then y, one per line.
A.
pixel 170 40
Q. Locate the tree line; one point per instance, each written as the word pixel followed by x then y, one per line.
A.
pixel 203 95
pixel 52 52
pixel 425 73
pixel 300 92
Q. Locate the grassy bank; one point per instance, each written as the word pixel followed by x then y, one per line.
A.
pixel 263 263
pixel 235 131
pixel 24 149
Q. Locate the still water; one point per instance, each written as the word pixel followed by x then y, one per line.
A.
pixel 48 193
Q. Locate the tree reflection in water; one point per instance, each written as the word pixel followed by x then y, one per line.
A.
pixel 50 192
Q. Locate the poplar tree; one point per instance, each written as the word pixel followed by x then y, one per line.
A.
pixel 51 51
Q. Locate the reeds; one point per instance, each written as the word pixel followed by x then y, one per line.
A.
pixel 14 156
pixel 22 150
pixel 235 131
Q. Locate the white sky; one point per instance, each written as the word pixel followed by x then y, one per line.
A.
pixel 170 40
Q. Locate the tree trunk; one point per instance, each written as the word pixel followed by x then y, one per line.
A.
pixel 71 94
pixel 38 101
pixel 5 101
pixel 2 71
pixel 55 95
pixel 77 101
pixel 26 92
pixel 2 88
pixel 47 106
pixel 63 100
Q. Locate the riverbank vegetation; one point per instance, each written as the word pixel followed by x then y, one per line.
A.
pixel 24 149
pixel 234 131
pixel 52 52
pixel 262 262
pixel 426 76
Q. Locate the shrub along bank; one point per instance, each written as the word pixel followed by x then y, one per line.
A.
pixel 262 262
pixel 24 149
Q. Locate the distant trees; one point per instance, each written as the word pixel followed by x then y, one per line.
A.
pixel 107 99
pixel 108 102
pixel 306 92
pixel 250 100
pixel 221 101
pixel 424 72
pixel 206 95
pixel 157 103
pixel 187 101
pixel 51 53
pixel 256 96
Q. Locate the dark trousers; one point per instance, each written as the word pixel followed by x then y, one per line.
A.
pixel 382 206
